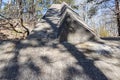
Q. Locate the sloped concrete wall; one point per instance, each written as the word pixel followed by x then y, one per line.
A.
pixel 72 29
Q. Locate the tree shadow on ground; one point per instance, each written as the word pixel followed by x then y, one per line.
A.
pixel 46 59
pixel 31 65
pixel 88 65
pixel 11 70
pixel 53 25
pixel 102 52
pixel 40 38
pixel 50 18
pixel 51 12
pixel 72 72
pixel 111 38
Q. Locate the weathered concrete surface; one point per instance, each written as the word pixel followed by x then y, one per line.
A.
pixel 48 23
pixel 42 57
pixel 72 29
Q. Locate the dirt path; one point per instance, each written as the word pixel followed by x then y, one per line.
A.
pixel 42 57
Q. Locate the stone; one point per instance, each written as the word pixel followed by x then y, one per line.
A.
pixel 72 29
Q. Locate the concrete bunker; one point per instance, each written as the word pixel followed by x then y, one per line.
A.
pixel 72 29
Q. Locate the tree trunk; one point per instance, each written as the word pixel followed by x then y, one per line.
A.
pixel 20 8
pixel 21 18
pixel 117 15
pixel 32 9
pixel 0 4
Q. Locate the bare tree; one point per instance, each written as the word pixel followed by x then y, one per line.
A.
pixel 117 10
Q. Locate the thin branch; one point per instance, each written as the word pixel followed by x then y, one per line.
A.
pixel 4 17
pixel 13 27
